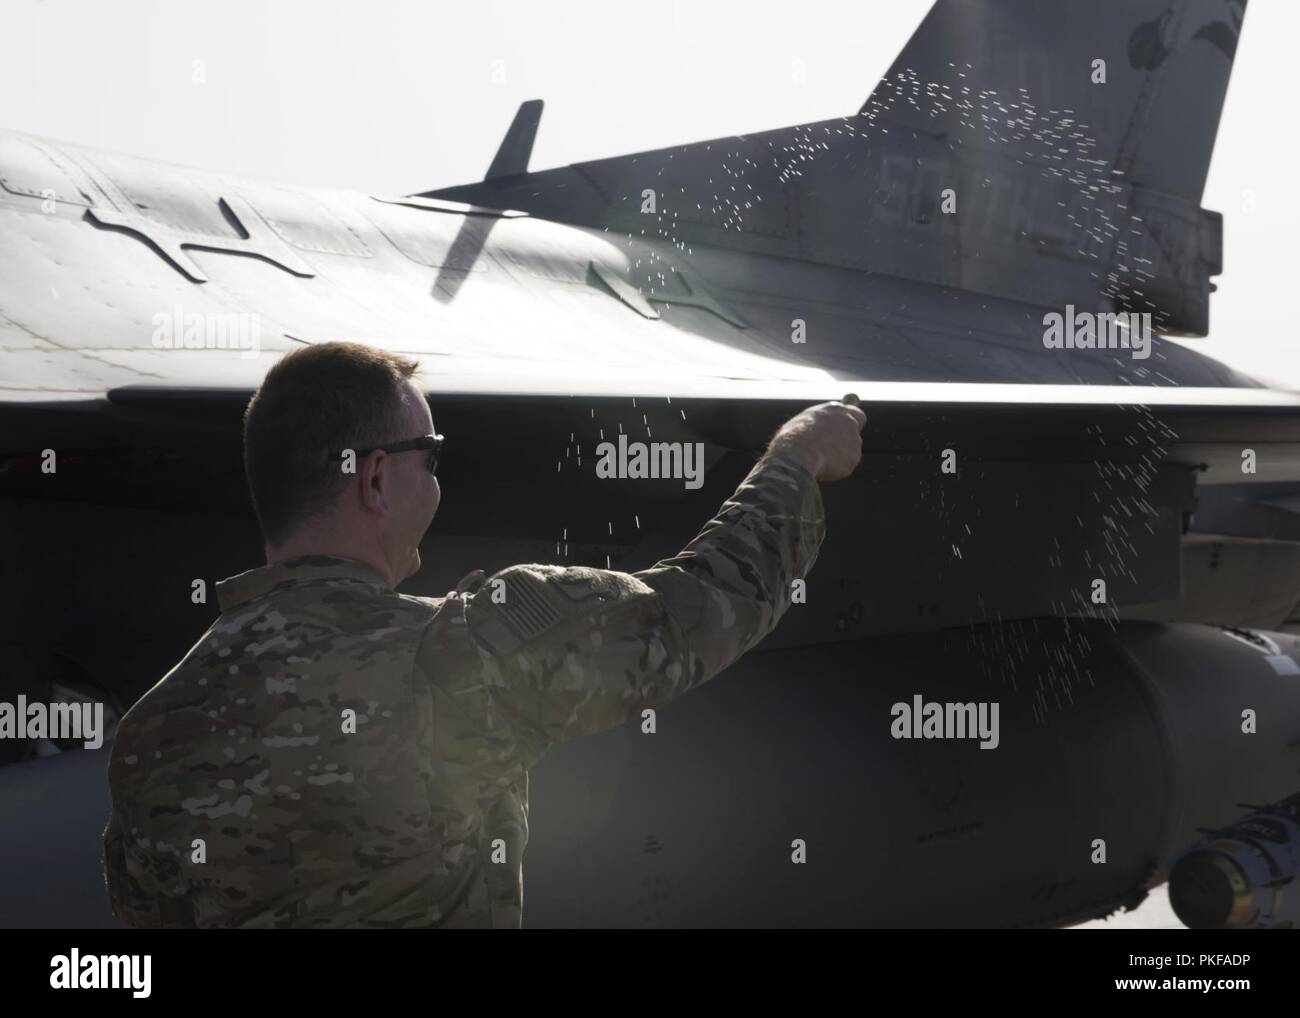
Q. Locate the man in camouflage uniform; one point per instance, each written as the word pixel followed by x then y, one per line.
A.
pixel 332 753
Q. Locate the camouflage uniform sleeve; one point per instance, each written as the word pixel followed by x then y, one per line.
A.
pixel 572 651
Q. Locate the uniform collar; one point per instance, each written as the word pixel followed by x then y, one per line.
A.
pixel 236 590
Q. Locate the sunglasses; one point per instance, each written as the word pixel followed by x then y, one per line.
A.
pixel 431 442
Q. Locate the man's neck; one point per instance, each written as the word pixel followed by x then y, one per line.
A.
pixel 324 545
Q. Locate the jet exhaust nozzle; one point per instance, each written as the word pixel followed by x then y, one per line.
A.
pixel 1243 876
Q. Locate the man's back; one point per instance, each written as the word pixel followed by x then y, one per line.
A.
pixel 349 756
pixel 295 741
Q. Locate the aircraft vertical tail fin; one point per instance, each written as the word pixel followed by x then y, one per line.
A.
pixel 1145 80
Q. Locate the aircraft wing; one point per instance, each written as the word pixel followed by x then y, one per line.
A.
pixel 127 285
pixel 139 290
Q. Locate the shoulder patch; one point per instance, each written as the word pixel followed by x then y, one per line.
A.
pixel 522 603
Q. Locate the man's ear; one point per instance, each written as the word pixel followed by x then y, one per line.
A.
pixel 374 482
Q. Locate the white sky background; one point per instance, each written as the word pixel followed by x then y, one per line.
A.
pixel 387 97
pixel 392 97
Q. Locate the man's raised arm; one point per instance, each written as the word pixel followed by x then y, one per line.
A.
pixel 572 650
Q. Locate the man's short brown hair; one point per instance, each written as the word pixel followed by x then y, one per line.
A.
pixel 314 403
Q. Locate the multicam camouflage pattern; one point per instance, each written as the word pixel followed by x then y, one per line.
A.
pixel 420 817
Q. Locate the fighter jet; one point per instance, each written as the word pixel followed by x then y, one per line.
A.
pixel 1048 637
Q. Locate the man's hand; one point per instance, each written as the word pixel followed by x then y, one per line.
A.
pixel 827 439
